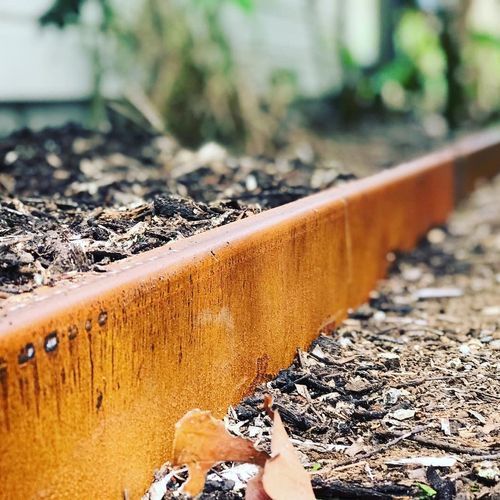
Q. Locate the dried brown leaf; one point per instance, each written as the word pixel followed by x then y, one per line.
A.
pixel 284 476
pixel 255 489
pixel 201 441
pixel 267 405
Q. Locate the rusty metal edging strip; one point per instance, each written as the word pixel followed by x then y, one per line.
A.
pixel 93 374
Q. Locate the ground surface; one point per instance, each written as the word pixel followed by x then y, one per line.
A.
pixel 403 400
pixel 72 201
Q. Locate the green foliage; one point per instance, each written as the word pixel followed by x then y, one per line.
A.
pixel 434 67
pixel 245 5
pixel 418 67
pixel 401 69
pixel 189 72
pixel 442 67
pixel 485 40
pixel 63 13
pixel 426 491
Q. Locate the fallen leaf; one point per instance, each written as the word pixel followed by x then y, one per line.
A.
pixel 284 476
pixel 267 405
pixel 202 441
pixel 255 488
pixel 357 384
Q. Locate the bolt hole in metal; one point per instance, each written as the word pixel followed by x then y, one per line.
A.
pixel 51 342
pixel 3 370
pixel 72 332
pixel 103 318
pixel 27 353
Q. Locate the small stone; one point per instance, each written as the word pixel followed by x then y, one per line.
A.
pixel 454 363
pixel 438 293
pixel 436 236
pixel 491 311
pixel 495 345
pixel 251 183
pixel 391 396
pixel 412 274
pixel 464 350
pixel 211 153
pixel 10 158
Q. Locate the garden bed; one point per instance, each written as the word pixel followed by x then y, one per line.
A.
pixel 72 201
pixel 95 371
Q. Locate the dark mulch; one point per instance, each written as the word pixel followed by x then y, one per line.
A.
pixel 73 200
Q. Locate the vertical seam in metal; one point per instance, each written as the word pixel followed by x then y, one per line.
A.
pixel 348 240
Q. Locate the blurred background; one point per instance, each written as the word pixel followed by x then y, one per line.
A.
pixel 248 73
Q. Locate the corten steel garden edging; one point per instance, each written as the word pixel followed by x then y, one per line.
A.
pixel 93 374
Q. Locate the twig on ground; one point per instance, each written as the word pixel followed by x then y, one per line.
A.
pixel 443 445
pixel 381 448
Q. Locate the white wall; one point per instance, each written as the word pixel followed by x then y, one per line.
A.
pixel 303 36
pixel 40 64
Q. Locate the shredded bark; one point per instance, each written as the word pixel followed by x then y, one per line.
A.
pixel 72 200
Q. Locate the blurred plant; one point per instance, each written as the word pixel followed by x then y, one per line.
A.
pixel 181 73
pixel 63 13
pixel 438 66
pixel 179 68
pixel 188 70
pixel 409 78
pixel 415 78
pixel 483 83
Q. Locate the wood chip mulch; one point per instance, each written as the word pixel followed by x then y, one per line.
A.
pixel 73 200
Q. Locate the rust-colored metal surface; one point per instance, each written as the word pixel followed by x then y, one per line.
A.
pixel 93 374
pixel 477 159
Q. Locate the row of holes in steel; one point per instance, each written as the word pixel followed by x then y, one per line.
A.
pixel 51 341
